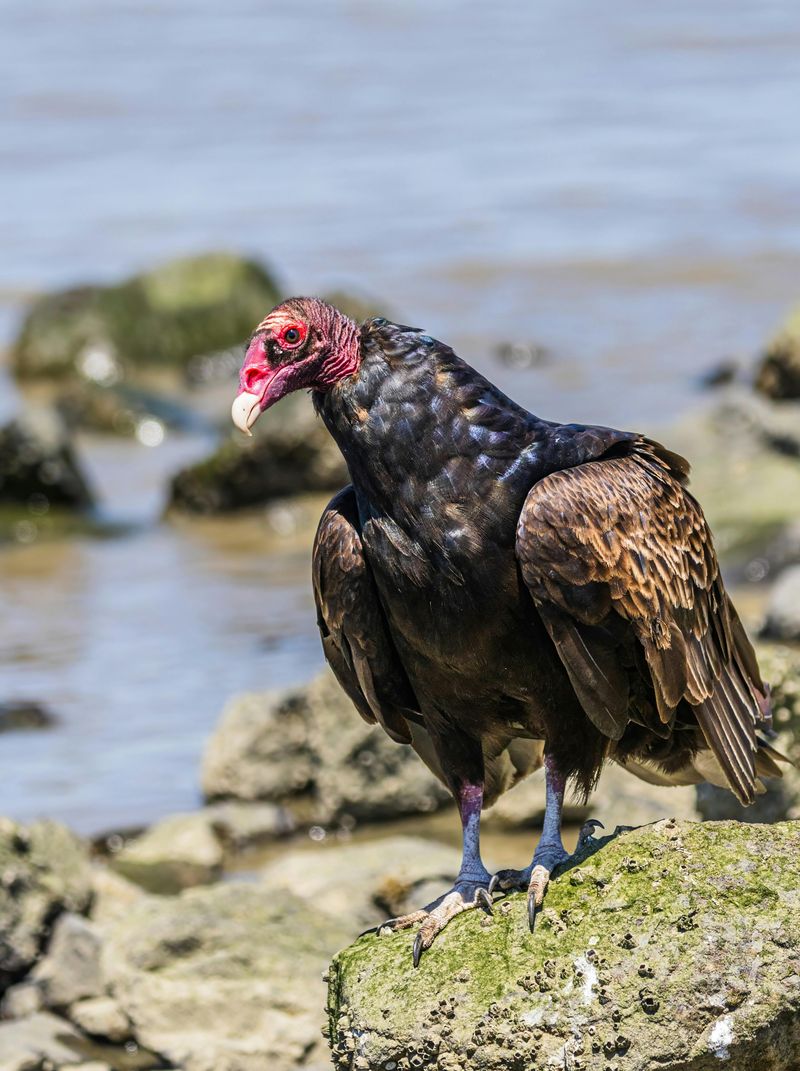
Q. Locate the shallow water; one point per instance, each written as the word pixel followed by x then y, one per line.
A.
pixel 617 183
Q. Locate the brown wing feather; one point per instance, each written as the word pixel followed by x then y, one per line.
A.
pixel 622 538
pixel 355 638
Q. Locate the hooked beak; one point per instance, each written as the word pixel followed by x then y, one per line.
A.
pixel 245 411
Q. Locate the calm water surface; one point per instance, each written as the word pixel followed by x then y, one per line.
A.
pixel 615 182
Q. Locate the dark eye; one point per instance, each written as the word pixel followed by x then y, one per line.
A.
pixel 291 334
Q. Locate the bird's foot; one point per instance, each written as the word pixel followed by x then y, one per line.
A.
pixel 536 877
pixel 465 895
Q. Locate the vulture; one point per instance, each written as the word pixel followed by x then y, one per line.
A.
pixel 503 592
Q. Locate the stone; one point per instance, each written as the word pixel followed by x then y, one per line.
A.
pixel 365 883
pixel 39 1041
pixel 102 1017
pixel 778 372
pixel 226 978
pixel 112 896
pixel 39 468
pixel 20 1000
pixel 71 968
pixel 175 853
pixel 161 318
pixel 290 453
pixel 24 714
pixel 240 826
pixel 309 749
pixel 782 621
pixel 44 870
pixel 676 945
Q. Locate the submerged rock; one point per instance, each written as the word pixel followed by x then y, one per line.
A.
pixel 675 945
pixel 291 453
pixel 44 870
pixel 778 373
pixel 163 317
pixel 225 979
pixel 309 749
pixel 38 466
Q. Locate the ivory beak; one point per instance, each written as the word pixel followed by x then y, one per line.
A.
pixel 245 411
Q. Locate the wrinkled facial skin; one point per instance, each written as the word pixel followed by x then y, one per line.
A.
pixel 303 343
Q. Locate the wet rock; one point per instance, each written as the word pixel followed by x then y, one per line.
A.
pixel 291 452
pixel 38 466
pixel 101 1017
pixel 309 748
pixel 619 799
pixel 225 978
pixel 163 317
pixel 71 968
pixel 675 945
pixel 44 870
pixel 365 883
pixel 778 373
pixel 783 608
pixel 780 666
pixel 17 714
pixel 39 1041
pixel 174 854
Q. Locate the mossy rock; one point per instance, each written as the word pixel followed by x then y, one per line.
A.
pixel 163 317
pixel 778 372
pixel 675 945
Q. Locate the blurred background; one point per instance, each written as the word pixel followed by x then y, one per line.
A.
pixel 596 205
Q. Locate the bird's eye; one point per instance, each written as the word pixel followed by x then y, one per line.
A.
pixel 291 335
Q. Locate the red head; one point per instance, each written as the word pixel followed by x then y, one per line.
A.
pixel 303 342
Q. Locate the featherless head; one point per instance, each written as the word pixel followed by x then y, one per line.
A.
pixel 302 343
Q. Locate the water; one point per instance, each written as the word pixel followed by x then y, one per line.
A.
pixel 615 182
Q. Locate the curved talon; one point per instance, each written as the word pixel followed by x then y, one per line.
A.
pixel 533 909
pixel 416 952
pixel 587 830
pixel 483 897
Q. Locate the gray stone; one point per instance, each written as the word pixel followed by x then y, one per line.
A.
pixel 675 946
pixel 39 1041
pixel 310 749
pixel 44 869
pixel 20 1000
pixel 101 1017
pixel 225 978
pixel 71 968
pixel 783 608
pixel 174 854
pixel 112 896
pixel 365 883
pixel 240 826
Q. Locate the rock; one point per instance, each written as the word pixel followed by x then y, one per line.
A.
pixel 240 826
pixel 783 608
pixel 71 968
pixel 38 467
pixel 780 666
pixel 225 978
pixel 39 1041
pixel 620 799
pixel 163 317
pixel 174 854
pixel 20 1000
pixel 309 748
pixel 17 714
pixel 112 896
pixel 44 870
pixel 101 1017
pixel 675 945
pixel 290 453
pixel 778 373
pixel 365 883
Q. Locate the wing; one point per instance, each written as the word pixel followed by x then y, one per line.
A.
pixel 352 624
pixel 619 547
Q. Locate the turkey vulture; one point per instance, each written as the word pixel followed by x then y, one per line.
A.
pixel 503 592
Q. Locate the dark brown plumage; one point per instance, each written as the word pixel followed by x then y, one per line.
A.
pixel 503 592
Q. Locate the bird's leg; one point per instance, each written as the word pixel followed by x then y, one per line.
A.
pixel 550 850
pixel 470 889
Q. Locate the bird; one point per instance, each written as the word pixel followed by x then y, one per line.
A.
pixel 504 593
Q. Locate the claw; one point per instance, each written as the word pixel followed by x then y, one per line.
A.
pixel 493 883
pixel 587 830
pixel 533 909
pixel 416 952
pixel 482 897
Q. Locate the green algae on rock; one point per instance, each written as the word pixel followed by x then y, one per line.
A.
pixel 675 946
pixel 163 317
